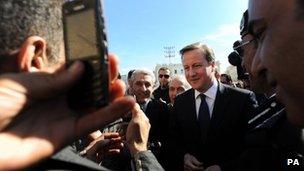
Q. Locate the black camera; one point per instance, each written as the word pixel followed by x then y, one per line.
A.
pixel 235 58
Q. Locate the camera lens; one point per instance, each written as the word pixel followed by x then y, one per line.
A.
pixel 234 58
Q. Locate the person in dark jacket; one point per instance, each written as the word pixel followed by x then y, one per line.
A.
pixel 162 92
pixel 272 139
pixel 156 110
pixel 208 122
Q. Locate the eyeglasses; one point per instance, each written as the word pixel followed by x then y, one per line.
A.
pixel 243 44
pixel 161 76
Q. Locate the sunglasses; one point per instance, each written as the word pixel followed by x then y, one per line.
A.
pixel 161 76
pixel 243 44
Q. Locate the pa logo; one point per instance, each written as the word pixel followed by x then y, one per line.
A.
pixel 293 162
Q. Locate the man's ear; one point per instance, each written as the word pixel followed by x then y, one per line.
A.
pixel 212 63
pixel 32 56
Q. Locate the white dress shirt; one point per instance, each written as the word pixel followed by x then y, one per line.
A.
pixel 210 97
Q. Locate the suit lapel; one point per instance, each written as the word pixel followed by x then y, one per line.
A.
pixel 219 108
pixel 190 112
pixel 148 109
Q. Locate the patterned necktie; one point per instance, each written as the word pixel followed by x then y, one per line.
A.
pixel 203 117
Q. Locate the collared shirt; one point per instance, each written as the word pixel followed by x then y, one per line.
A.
pixel 210 98
pixel 143 105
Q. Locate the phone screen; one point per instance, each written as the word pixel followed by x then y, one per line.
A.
pixel 81 34
pixel 86 41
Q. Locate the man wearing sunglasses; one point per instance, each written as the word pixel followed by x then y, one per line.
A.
pixel 271 138
pixel 162 92
pixel 278 27
pixel 247 47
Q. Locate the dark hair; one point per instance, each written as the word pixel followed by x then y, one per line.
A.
pixel 228 77
pixel 22 19
pixel 244 24
pixel 208 52
pixel 164 69
pixel 130 74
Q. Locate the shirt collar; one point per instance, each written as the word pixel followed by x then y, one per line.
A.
pixel 143 106
pixel 210 93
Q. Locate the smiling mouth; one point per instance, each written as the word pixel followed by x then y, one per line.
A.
pixel 194 80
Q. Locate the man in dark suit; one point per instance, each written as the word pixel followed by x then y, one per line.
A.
pixel 142 82
pixel 209 121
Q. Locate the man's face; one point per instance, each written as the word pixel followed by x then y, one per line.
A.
pixel 258 81
pixel 280 37
pixel 142 87
pixel 164 77
pixel 175 87
pixel 199 73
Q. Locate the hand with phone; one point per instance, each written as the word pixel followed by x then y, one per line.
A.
pixel 86 40
pixel 38 129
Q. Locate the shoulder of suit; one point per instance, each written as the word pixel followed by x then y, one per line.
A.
pixel 185 95
pixel 158 102
pixel 156 90
pixel 236 89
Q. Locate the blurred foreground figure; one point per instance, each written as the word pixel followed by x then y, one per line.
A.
pixel 35 119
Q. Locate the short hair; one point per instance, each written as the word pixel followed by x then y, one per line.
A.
pixel 163 69
pixel 227 76
pixel 182 79
pixel 244 24
pixel 144 72
pixel 130 74
pixel 208 52
pixel 22 19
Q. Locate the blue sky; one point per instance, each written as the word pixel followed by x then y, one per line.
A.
pixel 139 29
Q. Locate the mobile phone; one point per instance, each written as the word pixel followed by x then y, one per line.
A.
pixel 85 40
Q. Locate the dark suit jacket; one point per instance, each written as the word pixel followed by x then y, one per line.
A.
pixel 158 114
pixel 226 133
pixel 271 142
pixel 162 94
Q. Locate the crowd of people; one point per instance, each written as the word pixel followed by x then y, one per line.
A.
pixel 195 121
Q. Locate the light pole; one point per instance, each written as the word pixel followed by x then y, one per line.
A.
pixel 169 52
